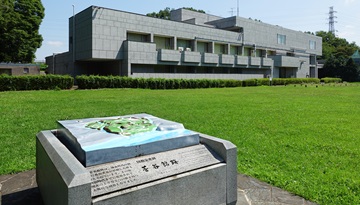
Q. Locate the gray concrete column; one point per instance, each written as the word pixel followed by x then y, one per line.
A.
pixel 194 45
pixel 173 42
pixel 212 47
pixel 152 38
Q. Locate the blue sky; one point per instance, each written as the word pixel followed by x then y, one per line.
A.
pixel 305 15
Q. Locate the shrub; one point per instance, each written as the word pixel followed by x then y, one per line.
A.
pixel 262 81
pixel 331 80
pixel 288 81
pixel 95 82
pixel 278 81
pixel 35 82
pixel 249 82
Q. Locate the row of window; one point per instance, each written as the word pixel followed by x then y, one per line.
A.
pixel 166 43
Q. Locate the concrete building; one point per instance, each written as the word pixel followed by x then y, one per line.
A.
pixel 191 45
pixel 19 69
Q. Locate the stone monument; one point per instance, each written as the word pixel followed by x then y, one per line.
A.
pixel 134 159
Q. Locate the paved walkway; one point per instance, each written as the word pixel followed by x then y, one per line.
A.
pixel 21 189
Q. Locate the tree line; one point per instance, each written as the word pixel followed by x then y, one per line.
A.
pixel 336 53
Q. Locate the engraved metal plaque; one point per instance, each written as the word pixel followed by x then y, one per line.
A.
pixel 110 177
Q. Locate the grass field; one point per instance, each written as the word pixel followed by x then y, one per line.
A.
pixel 302 139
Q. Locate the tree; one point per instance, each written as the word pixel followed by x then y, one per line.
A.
pixel 19 30
pixel 335 46
pixel 337 55
pixel 162 14
pixel 165 14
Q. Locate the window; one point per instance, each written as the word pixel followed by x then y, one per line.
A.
pixel 26 70
pixel 220 49
pixel 184 43
pixel 203 47
pixel 281 39
pixel 138 37
pixel 162 42
pixel 312 45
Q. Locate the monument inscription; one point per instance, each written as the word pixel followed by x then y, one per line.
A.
pixel 111 177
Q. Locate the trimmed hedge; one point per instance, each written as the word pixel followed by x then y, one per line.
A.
pixel 249 82
pixel 35 82
pixel 288 81
pixel 48 82
pixel 95 82
pixel 279 81
pixel 331 80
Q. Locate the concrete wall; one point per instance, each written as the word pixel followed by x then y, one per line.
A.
pixel 192 17
pixel 83 35
pixel 19 69
pixel 60 64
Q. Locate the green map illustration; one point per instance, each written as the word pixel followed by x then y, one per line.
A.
pixel 126 126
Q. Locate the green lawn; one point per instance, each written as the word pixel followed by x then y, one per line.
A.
pixel 303 139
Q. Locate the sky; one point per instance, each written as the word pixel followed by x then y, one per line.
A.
pixel 305 15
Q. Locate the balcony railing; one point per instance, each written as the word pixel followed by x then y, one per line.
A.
pixel 169 55
pixel 286 61
pixel 192 57
pixel 255 61
pixel 166 55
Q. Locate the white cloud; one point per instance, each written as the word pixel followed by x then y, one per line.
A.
pixel 55 43
pixel 349 1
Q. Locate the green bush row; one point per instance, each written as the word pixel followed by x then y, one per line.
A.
pixel 279 81
pixel 288 81
pixel 256 82
pixel 331 80
pixel 35 82
pixel 95 82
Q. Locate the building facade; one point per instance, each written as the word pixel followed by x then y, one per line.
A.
pixel 191 45
pixel 19 69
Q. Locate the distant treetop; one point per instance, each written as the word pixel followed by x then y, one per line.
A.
pixel 192 9
pixel 165 13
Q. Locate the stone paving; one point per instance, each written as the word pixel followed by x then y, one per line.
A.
pixel 254 192
pixel 21 189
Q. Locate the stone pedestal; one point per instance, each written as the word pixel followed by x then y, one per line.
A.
pixel 204 173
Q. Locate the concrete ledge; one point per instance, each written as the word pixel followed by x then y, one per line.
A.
pixel 58 171
pixel 228 152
